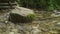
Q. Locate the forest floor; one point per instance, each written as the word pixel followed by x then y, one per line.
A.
pixel 43 24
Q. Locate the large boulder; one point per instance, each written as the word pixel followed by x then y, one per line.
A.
pixel 20 14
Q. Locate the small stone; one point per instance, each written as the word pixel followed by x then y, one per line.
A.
pixel 53 32
pixel 35 31
pixel 58 23
pixel 14 30
pixel 6 21
pixel 11 32
pixel 54 21
pixel 27 32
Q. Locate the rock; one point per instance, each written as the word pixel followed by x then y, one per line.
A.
pixel 22 11
pixel 20 14
pixel 36 31
pixel 56 13
pixel 4 14
pixel 11 33
pixel 53 32
pixel 58 23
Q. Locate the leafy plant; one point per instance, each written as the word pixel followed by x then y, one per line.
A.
pixel 40 4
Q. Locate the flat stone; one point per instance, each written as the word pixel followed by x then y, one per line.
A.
pixel 22 11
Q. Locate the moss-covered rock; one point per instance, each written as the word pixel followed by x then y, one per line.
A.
pixel 21 15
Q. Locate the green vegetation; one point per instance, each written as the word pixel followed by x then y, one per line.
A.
pixel 30 17
pixel 40 4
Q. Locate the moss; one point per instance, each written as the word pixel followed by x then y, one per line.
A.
pixel 30 17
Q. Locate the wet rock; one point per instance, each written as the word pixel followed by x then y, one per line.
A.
pixel 20 14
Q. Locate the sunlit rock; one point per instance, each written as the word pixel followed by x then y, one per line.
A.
pixel 56 13
pixel 20 14
pixel 11 32
pixel 36 31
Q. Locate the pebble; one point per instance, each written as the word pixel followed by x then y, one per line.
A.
pixel 35 31
pixel 58 23
pixel 11 32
